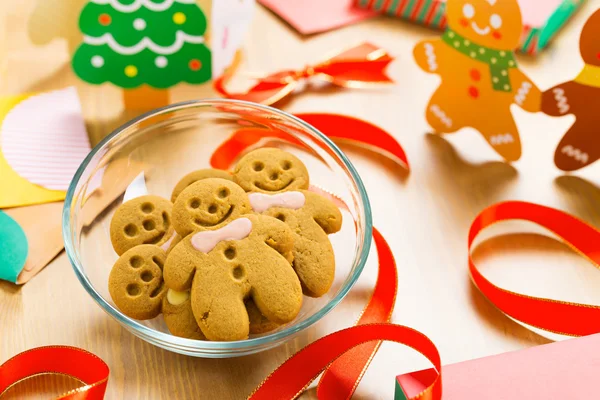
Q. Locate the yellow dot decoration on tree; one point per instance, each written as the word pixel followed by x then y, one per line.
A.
pixel 179 18
pixel 131 71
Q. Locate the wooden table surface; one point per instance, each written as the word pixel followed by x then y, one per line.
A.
pixel 425 215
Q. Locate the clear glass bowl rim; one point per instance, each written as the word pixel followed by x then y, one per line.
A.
pixel 190 346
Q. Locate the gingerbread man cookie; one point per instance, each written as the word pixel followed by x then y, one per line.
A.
pixel 209 203
pixel 311 217
pixel 480 76
pixel 142 220
pixel 270 170
pixel 225 266
pixel 581 97
pixel 136 282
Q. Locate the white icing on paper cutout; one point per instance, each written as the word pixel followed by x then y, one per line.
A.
pixel 137 4
pixel 146 43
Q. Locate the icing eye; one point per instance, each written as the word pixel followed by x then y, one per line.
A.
pixel 258 166
pixel 495 21
pixel 468 10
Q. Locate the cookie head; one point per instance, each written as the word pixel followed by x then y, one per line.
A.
pixel 143 220
pixel 270 170
pixel 196 176
pixel 589 44
pixel 208 204
pixel 491 23
pixel 136 282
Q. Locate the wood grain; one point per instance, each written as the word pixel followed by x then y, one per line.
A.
pixel 424 215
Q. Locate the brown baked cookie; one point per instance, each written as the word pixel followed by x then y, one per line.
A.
pixel 311 217
pixel 177 311
pixel 258 322
pixel 198 176
pixel 223 267
pixel 209 203
pixel 270 170
pixel 136 282
pixel 143 220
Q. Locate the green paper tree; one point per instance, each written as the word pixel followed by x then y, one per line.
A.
pixel 133 42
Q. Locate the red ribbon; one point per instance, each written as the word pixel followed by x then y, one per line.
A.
pixel 348 352
pixel 356 67
pixel 71 361
pixel 334 126
pixel 556 316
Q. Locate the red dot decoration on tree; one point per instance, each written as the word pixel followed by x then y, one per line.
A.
pixel 475 74
pixel 104 19
pixel 195 64
pixel 473 92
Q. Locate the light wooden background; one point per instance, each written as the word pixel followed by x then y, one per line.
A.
pixel 424 215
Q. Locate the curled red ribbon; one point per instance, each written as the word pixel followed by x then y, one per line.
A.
pixel 348 352
pixel 71 361
pixel 556 316
pixel 335 126
pixel 356 67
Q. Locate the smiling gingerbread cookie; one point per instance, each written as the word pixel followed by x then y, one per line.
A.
pixel 209 203
pixel 480 76
pixel 224 266
pixel 580 146
pixel 311 217
pixel 270 170
pixel 142 220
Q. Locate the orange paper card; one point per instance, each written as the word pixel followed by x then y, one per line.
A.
pixel 480 76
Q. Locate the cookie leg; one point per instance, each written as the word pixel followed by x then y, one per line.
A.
pixel 439 114
pixel 276 290
pixel 504 137
pixel 218 305
pixel 314 263
pixel 577 148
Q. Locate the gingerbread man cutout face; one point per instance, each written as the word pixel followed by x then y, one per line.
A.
pixel 480 75
pixel 491 23
pixel 245 258
pixel 581 97
pixel 311 217
pixel 270 170
pixel 208 204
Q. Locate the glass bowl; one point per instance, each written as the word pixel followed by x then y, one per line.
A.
pixel 152 152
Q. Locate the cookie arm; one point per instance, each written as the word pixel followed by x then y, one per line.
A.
pixel 180 266
pixel 526 94
pixel 326 214
pixel 427 55
pixel 277 234
pixel 556 101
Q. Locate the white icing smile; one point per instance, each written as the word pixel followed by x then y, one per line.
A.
pixel 479 30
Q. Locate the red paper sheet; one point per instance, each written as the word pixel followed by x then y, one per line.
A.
pixel 563 370
pixel 313 16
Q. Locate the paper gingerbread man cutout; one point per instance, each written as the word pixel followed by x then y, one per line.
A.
pixel 581 97
pixel 480 76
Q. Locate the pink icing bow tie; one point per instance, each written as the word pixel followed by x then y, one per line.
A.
pixel 236 230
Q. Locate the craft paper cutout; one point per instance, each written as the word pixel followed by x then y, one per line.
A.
pixel 13 248
pixel 580 146
pixel 356 67
pixel 336 127
pixel 313 16
pixel 143 42
pixel 42 225
pixel 562 370
pixel 480 76
pixel 42 143
pixel 541 19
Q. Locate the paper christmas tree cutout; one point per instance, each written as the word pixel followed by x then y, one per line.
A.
pixel 130 43
pixel 581 97
pixel 480 76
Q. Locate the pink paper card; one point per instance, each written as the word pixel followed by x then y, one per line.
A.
pixel 557 371
pixel 313 16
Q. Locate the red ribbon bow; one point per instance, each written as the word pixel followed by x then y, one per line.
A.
pixel 356 67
